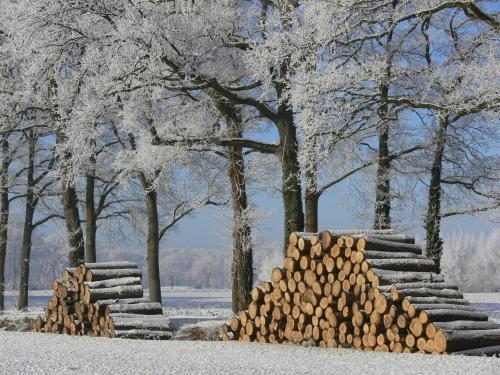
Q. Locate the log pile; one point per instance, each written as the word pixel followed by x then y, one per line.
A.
pixel 370 290
pixel 103 299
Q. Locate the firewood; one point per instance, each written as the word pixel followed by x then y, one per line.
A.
pixel 338 292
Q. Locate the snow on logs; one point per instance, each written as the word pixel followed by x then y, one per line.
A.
pixel 367 290
pixel 103 299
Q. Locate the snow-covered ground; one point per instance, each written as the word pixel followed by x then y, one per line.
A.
pixel 483 297
pixel 27 353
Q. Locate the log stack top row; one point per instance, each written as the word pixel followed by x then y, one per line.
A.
pixel 103 299
pixel 368 290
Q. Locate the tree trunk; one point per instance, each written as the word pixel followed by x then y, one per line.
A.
pixel 383 199
pixel 311 199
pixel 70 197
pixel 73 225
pixel 242 267
pixel 383 192
pixel 311 196
pixel 291 183
pixel 242 262
pixel 434 243
pixel 153 257
pixel 22 302
pixel 4 213
pixel 91 225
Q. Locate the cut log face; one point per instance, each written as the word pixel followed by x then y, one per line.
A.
pixel 366 293
pixel 109 304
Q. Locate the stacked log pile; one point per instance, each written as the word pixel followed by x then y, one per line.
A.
pixel 371 290
pixel 103 299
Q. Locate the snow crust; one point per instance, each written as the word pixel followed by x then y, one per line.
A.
pixel 482 297
pixel 30 353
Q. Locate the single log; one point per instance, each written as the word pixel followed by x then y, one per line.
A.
pixel 394 277
pixel 446 315
pixel 465 325
pixel 415 285
pixel 361 232
pixel 117 292
pixel 106 274
pixel 453 341
pixel 114 282
pixel 428 292
pixel 143 334
pixel 102 304
pixel 391 237
pixel 376 244
pixel 150 322
pixel 414 265
pixel 110 265
pixel 138 308
pixel 435 300
pixel 436 306
pixel 369 254
pixel 488 351
pixel 277 275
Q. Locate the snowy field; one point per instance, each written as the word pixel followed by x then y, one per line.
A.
pixel 27 353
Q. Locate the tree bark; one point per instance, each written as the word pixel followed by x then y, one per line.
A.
pixel 383 199
pixel 4 213
pixel 24 266
pixel 311 197
pixel 383 192
pixel 242 267
pixel 242 262
pixel 311 200
pixel 153 241
pixel 434 243
pixel 70 197
pixel 91 225
pixel 291 183
pixel 73 225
